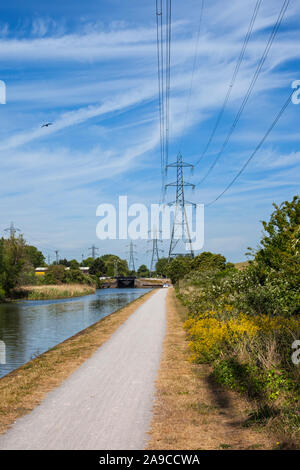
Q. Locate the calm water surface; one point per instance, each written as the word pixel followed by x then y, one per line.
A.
pixel 30 328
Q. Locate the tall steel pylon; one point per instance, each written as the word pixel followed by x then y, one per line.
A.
pixel 116 273
pixel 131 265
pixel 94 249
pixel 12 230
pixel 155 251
pixel 180 222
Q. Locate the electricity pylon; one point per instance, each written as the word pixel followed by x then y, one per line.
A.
pixel 94 250
pixel 12 230
pixel 116 273
pixel 56 254
pixel 131 265
pixel 155 251
pixel 180 229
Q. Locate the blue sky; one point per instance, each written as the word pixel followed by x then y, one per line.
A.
pixel 90 68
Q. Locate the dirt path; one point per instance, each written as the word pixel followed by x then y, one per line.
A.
pixel 191 410
pixel 107 402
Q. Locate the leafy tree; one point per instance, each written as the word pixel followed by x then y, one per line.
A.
pixel 162 267
pixel 88 261
pixel 13 259
pixel 98 267
pixel 55 274
pixel 34 256
pixel 63 262
pixel 280 246
pixel 208 261
pixel 179 267
pixel 77 277
pixel 143 271
pixel 112 261
pixel 74 264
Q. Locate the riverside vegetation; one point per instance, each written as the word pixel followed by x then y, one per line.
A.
pixel 244 322
pixel 18 261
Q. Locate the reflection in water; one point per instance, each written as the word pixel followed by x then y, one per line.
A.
pixel 32 327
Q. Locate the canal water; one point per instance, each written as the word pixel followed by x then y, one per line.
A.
pixel 29 328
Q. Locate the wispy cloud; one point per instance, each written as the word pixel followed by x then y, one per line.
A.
pixel 97 72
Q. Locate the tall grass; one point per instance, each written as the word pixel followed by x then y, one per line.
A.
pixel 54 291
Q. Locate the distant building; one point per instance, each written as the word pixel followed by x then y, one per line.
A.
pixel 84 269
pixel 40 271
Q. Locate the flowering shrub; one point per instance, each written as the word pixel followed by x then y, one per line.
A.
pixel 244 322
pixel 210 334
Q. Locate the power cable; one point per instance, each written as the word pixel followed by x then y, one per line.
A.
pixel 278 116
pixel 249 91
pixel 233 79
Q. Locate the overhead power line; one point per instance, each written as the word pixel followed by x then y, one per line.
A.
pixel 192 76
pixel 168 72
pixel 159 41
pixel 233 79
pixel 278 116
pixel 163 39
pixel 251 86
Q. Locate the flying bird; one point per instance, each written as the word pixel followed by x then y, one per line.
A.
pixel 47 124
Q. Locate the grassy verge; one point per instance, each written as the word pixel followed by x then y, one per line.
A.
pixel 192 411
pixel 250 354
pixel 49 292
pixel 23 389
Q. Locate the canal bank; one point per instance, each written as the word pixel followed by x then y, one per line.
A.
pixel 30 328
pixel 25 388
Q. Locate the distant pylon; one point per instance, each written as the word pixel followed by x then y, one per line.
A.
pixel 116 269
pixel 180 228
pixel 131 265
pixel 12 230
pixel 56 256
pixel 94 250
pixel 155 251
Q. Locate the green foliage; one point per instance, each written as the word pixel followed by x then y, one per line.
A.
pixel 264 299
pixel 13 259
pixel 143 271
pixel 281 242
pixel 208 261
pixel 34 256
pixel 179 267
pixel 75 276
pixel 63 262
pixel 54 274
pixel 162 267
pixel 113 262
pixel 58 274
pixel 73 264
pixel 88 262
pixel 98 267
